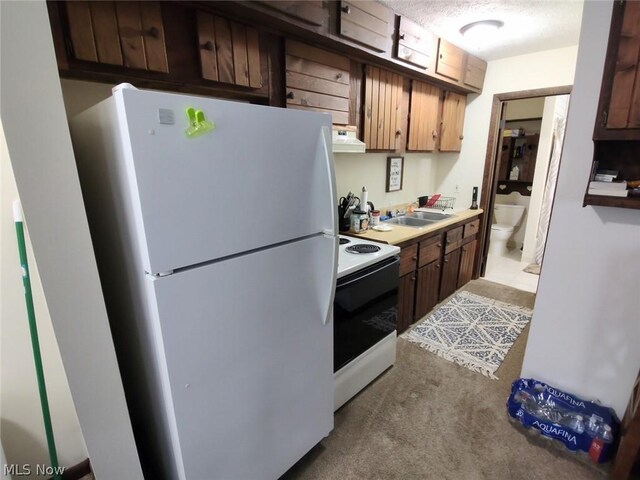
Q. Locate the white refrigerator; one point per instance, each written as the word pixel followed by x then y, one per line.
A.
pixel 217 256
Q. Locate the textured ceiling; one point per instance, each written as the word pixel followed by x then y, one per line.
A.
pixel 529 25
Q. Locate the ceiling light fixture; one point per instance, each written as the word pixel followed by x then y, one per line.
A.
pixel 482 31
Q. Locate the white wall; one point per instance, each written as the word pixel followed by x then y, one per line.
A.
pixel 585 330
pixel 524 108
pixel 39 145
pixel 21 423
pixel 550 68
pixel 355 170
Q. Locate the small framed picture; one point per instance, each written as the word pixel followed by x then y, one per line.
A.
pixel 395 166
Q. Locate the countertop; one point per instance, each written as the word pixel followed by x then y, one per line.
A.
pixel 401 233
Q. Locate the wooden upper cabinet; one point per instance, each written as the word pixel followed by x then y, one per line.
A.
pixel 317 80
pixel 474 72
pixel 312 12
pixel 424 113
pixel 623 111
pixel 229 51
pixel 382 109
pixel 415 45
pixel 450 60
pixel 128 34
pixel 368 23
pixel 453 108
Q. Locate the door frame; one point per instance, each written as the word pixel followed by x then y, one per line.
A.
pixel 490 176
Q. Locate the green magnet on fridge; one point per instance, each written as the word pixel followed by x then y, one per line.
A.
pixel 198 124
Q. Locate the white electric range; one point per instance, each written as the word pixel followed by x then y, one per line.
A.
pixel 364 314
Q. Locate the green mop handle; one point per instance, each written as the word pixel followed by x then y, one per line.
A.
pixel 35 344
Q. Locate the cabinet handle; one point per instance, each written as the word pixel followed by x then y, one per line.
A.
pixel 441 57
pixel 291 95
pixel 446 260
pixel 401 36
pixel 415 257
pixel 437 265
pixel 208 46
pixel 338 76
pixel 398 132
pixel 461 137
pixel 413 279
pixel 439 245
pixel 346 9
pixel 434 134
pixel 154 32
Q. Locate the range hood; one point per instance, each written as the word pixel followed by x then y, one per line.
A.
pixel 345 141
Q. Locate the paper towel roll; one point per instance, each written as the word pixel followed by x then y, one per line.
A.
pixel 364 198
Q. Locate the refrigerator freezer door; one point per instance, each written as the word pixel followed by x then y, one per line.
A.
pixel 249 359
pixel 262 176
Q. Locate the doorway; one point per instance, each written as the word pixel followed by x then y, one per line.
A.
pixel 521 165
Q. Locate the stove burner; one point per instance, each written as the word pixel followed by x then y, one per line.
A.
pixel 344 241
pixel 362 248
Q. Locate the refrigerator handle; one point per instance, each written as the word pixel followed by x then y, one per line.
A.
pixel 328 155
pixel 334 278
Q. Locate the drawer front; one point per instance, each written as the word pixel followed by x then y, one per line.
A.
pixel 471 228
pixel 453 239
pixel 430 250
pixel 408 259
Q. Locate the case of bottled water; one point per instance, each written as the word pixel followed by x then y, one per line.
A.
pixel 579 424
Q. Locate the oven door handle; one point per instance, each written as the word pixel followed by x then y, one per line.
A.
pixel 368 274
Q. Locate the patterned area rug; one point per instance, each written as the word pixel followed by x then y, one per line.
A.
pixel 473 331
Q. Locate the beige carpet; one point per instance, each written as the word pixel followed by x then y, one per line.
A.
pixel 427 418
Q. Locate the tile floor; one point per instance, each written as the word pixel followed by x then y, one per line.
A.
pixel 507 270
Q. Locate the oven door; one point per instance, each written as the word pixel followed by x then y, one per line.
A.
pixel 364 310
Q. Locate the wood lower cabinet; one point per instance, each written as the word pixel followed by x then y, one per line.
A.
pixel 467 259
pixel 432 267
pixel 427 289
pixel 406 295
pixel 449 281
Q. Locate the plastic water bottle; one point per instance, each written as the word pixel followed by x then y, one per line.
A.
pixel 605 434
pixel 593 425
pixel 575 423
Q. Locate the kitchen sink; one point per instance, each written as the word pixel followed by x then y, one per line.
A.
pixel 437 216
pixel 419 219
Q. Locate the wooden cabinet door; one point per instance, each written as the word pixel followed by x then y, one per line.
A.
pixel 427 289
pixel 229 51
pixel 317 80
pixel 312 12
pixel 624 104
pixel 423 116
pixel 415 45
pixel 368 23
pixel 128 34
pixel 474 72
pixel 449 281
pixel 450 60
pixel 453 108
pixel 467 258
pixel 406 293
pixel 383 109
pixel 453 239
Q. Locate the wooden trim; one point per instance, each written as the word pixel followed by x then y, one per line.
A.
pixel 490 178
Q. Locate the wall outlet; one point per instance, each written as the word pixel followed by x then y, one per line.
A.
pixel 456 189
